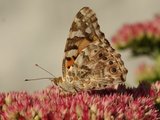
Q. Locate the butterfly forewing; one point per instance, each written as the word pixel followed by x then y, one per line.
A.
pixel 82 33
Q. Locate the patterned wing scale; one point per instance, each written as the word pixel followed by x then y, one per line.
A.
pixel 84 30
pixel 90 62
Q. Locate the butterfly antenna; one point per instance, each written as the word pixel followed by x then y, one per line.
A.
pixel 38 79
pixel 44 69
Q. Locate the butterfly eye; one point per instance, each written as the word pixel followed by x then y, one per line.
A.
pixel 113 70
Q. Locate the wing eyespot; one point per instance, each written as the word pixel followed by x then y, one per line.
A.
pixel 113 70
pixel 110 62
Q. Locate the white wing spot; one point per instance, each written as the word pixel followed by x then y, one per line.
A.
pixel 78 33
pixel 72 53
pixel 88 30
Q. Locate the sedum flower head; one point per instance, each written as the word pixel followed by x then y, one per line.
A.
pixel 141 38
pixel 108 104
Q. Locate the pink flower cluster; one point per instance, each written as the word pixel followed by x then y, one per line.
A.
pixel 121 103
pixel 130 32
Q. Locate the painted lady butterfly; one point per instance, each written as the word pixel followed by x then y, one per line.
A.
pixel 89 61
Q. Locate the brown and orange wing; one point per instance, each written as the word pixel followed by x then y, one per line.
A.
pixel 84 30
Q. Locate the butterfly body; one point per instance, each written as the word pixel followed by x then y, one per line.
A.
pixel 89 61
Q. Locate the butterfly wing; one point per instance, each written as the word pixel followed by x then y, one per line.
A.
pixel 97 68
pixel 84 30
pixel 90 61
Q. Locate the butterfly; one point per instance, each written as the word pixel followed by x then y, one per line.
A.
pixel 89 63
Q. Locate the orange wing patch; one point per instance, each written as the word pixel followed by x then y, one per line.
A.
pixel 69 63
pixel 71 55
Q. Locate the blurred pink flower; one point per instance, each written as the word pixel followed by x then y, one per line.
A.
pixel 123 36
pixel 130 32
pixel 137 30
